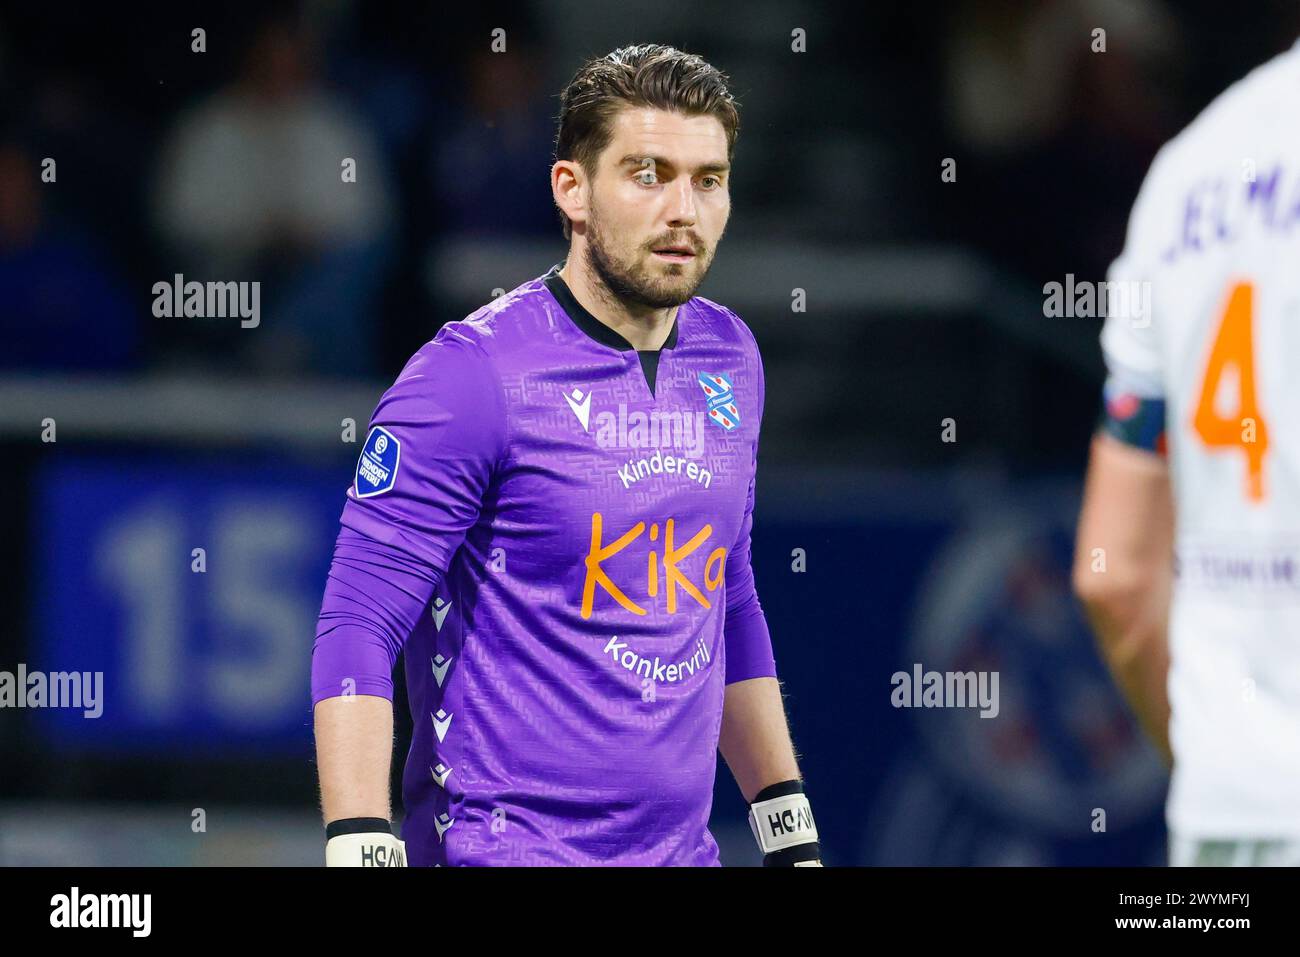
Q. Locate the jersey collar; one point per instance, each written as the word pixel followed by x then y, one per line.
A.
pixel 589 324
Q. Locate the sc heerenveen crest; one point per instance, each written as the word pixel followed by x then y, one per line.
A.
pixel 721 399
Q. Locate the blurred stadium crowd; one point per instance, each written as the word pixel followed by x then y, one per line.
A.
pixel 209 164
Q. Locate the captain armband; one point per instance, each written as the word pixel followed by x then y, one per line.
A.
pixel 1134 419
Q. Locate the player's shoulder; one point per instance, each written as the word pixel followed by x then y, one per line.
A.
pixel 1268 90
pixel 1249 121
pixel 717 321
pixel 497 328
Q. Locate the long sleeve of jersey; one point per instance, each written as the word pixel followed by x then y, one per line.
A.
pixel 745 631
pixel 428 459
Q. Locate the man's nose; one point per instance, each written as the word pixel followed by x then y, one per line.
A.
pixel 682 198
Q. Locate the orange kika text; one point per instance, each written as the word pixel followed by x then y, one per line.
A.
pixel 672 556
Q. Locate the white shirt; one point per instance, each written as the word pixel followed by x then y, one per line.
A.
pixel 1215 232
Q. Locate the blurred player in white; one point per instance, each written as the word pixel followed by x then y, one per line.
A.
pixel 1188 553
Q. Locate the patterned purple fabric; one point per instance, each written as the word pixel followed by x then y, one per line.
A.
pixel 564 556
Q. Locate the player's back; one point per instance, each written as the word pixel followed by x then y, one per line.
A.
pixel 1215 234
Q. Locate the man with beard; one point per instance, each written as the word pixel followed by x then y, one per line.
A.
pixel 551 518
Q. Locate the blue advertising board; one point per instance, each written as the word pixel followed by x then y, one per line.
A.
pixel 192 589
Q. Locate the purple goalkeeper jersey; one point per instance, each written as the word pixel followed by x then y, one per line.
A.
pixel 555 529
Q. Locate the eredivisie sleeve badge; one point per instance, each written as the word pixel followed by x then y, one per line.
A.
pixel 377 466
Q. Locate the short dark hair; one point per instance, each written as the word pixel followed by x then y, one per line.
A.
pixel 648 74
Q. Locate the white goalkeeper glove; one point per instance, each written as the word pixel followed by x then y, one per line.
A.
pixel 782 823
pixel 363 842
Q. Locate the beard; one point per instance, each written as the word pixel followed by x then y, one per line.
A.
pixel 629 278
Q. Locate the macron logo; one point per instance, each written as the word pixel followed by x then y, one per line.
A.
pixel 440 665
pixel 440 608
pixel 581 406
pixel 443 823
pixel 441 722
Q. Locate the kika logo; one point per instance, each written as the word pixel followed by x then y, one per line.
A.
pixel 674 577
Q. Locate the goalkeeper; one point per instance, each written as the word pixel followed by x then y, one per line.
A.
pixel 550 522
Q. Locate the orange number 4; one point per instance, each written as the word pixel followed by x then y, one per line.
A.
pixel 1245 428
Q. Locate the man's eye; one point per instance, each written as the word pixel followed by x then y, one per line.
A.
pixel 711 182
pixel 647 177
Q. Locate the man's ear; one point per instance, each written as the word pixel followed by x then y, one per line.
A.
pixel 568 182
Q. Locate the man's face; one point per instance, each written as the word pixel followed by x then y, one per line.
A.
pixel 658 205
